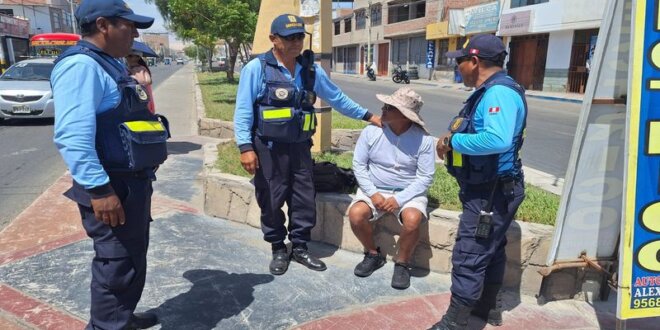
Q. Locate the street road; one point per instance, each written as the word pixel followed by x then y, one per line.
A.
pixel 29 161
pixel 551 125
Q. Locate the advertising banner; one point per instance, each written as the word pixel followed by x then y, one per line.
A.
pixel 482 18
pixel 430 53
pixel 639 294
pixel 515 23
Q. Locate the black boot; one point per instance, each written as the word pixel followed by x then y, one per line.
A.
pixel 489 306
pixel 456 317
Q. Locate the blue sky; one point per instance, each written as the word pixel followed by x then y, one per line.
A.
pixel 142 8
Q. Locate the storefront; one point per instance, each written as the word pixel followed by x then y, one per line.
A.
pixel 14 40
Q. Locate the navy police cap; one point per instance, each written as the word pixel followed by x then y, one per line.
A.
pixel 90 10
pixel 287 24
pixel 485 46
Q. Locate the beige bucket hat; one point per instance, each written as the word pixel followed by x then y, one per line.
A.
pixel 409 104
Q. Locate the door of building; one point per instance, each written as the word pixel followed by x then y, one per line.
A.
pixel 527 60
pixel 584 44
pixel 383 58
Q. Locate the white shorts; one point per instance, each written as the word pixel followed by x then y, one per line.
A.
pixel 418 203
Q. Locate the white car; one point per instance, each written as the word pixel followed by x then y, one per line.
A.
pixel 25 90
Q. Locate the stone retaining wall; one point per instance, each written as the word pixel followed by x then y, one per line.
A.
pixel 232 197
pixel 216 128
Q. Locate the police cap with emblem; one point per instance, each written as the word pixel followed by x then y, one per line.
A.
pixel 486 46
pixel 90 10
pixel 286 25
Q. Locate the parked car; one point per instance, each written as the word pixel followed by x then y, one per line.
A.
pixel 25 90
pixel 179 61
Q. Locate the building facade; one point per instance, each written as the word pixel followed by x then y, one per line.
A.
pixel 551 42
pixel 393 30
pixel 159 42
pixel 45 16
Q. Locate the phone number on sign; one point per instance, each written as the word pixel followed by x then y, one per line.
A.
pixel 646 303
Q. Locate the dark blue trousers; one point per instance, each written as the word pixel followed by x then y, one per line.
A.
pixel 285 175
pixel 478 261
pixel 119 267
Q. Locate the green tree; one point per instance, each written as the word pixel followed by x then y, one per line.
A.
pixel 206 21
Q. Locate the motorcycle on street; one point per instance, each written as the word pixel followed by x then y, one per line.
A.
pixel 400 75
pixel 370 73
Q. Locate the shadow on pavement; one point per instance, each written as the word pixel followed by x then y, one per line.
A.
pixel 214 296
pixel 181 148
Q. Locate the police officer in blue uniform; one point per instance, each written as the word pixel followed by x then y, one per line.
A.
pixel 111 144
pixel 481 150
pixel 274 122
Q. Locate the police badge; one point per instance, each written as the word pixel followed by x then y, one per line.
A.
pixel 281 93
pixel 457 124
pixel 142 94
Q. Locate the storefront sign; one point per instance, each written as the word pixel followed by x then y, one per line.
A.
pixel 437 30
pixel 640 269
pixel 430 53
pixel 515 23
pixel 482 18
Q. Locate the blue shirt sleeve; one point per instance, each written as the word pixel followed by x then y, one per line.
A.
pixel 249 85
pixel 361 161
pixel 425 172
pixel 331 93
pixel 495 122
pixel 80 91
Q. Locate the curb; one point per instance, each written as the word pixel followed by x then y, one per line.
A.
pixel 452 86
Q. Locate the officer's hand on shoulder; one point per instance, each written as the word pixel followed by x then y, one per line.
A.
pixel 109 210
pixel 250 161
pixel 375 119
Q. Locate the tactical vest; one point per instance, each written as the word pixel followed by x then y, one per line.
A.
pixel 283 111
pixel 129 137
pixel 471 169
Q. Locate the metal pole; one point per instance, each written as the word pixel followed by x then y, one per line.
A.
pixel 369 35
pixel 73 20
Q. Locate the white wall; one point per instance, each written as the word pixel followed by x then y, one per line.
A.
pixel 560 44
pixel 563 14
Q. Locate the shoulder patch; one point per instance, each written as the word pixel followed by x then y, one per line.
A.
pixel 493 110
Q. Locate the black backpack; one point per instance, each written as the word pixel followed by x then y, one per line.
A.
pixel 328 177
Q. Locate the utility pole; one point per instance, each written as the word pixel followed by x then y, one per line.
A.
pixel 369 60
pixel 73 20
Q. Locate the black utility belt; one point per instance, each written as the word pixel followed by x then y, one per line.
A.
pixel 487 186
pixel 142 174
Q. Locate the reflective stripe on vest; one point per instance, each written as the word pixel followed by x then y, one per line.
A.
pixel 145 126
pixel 283 113
pixel 457 159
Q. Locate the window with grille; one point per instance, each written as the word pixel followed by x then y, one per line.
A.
pixel 443 48
pixel 404 11
pixel 376 15
pixel 348 25
pixel 337 27
pixel 360 19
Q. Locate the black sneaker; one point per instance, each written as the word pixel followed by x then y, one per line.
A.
pixel 369 264
pixel 401 276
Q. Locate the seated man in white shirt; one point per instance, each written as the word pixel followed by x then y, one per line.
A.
pixel 394 167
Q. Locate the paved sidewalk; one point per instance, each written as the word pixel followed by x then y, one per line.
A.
pixel 449 84
pixel 208 273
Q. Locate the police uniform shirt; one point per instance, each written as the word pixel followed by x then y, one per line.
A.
pixel 498 118
pixel 82 90
pixel 252 83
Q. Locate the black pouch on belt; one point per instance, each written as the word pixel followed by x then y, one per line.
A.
pixel 485 223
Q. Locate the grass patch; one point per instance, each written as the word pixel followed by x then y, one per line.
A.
pixel 219 98
pixel 343 122
pixel 539 205
pixel 218 94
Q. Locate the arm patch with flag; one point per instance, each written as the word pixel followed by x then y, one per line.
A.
pixel 493 110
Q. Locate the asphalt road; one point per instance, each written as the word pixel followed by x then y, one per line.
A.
pixel 30 163
pixel 551 125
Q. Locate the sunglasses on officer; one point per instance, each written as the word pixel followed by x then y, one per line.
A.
pixel 293 37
